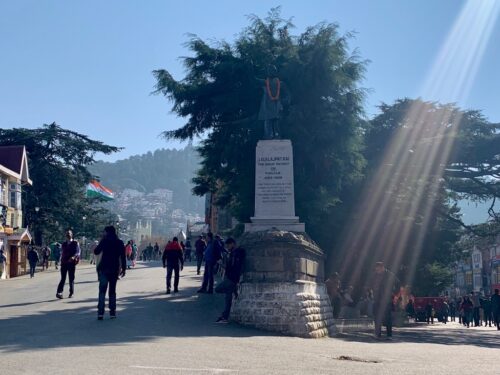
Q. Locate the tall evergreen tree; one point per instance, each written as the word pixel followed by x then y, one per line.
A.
pixel 58 160
pixel 422 158
pixel 220 97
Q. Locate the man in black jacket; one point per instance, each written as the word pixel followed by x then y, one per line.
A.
pixel 200 246
pixel 33 261
pixel 113 264
pixel 70 256
pixel 384 284
pixel 495 308
pixel 234 269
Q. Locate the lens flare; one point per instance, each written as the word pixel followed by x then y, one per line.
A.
pixel 416 157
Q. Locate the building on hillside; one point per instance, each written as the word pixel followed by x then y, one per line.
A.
pixel 14 238
pixel 140 231
pixel 494 263
pixel 480 272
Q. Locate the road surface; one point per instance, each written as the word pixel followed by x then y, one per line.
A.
pixel 175 334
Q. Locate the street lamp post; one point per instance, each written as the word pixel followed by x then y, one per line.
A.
pixel 37 229
pixel 83 237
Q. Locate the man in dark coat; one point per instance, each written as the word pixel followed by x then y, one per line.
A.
pixel 200 247
pixel 70 256
pixel 234 269
pixel 113 263
pixel 486 306
pixel 213 253
pixel 384 284
pixel 173 259
pixel 495 308
pixel 32 260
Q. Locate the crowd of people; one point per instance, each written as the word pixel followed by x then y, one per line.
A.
pixel 381 300
pixel 386 299
pixel 113 258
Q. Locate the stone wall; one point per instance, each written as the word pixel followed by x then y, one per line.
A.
pixel 281 256
pixel 300 308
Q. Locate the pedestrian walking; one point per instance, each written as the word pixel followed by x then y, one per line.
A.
pixel 111 265
pixel 128 254
pixel 429 313
pixel 384 283
pixel 200 247
pixel 476 303
pixel 33 260
pixel 156 250
pixel 460 300
pixel 333 286
pixel 467 308
pixel 57 255
pixel 229 286
pixel 410 310
pixel 212 256
pixel 486 306
pixel 173 260
pixel 187 251
pixel 453 310
pixel 495 308
pixel 3 261
pixel 45 257
pixel 70 256
pixel 133 255
pixel 445 311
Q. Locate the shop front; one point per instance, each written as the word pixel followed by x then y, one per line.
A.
pixel 15 247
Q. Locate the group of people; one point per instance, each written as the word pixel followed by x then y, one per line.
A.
pixel 111 257
pixel 45 254
pixel 385 296
pixel 474 309
pixel 215 253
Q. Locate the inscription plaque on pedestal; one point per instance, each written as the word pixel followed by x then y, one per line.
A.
pixel 274 194
pixel 274 188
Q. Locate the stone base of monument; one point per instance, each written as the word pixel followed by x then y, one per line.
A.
pixel 280 291
pixel 289 224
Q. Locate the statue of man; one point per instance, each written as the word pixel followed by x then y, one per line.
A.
pixel 271 107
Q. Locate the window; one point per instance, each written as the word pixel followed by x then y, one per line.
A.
pixel 495 274
pixel 468 278
pixel 15 196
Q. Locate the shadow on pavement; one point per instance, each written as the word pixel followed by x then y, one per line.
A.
pixel 27 303
pixel 141 317
pixel 454 335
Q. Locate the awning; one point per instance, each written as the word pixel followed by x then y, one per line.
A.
pixel 21 236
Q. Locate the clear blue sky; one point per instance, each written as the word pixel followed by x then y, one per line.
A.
pixel 87 64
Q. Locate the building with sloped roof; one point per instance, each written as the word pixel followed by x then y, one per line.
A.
pixel 14 238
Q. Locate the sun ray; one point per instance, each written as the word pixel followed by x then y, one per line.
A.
pixel 419 151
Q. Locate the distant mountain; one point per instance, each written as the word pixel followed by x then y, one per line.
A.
pixel 164 169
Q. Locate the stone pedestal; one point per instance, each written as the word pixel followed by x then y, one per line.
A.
pixel 274 188
pixel 281 289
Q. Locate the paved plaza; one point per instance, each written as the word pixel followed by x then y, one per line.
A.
pixel 176 334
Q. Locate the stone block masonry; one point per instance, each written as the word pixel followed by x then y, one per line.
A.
pixel 282 288
pixel 300 308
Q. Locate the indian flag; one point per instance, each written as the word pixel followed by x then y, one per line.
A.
pixel 96 190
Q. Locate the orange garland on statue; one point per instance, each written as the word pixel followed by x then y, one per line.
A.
pixel 269 93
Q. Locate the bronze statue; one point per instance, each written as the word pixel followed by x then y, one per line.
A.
pixel 271 107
